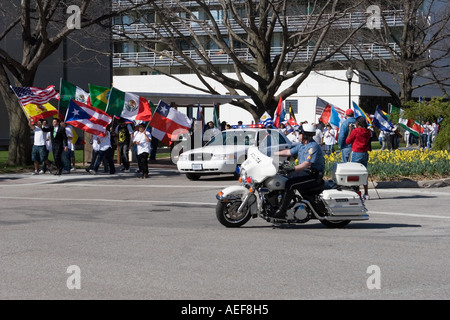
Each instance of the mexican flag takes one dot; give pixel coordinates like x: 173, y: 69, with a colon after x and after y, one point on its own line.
x: 128, y: 106
x: 410, y: 125
x: 99, y: 96
x: 69, y: 91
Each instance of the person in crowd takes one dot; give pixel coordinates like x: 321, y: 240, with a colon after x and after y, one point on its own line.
x: 223, y: 125
x: 124, y: 133
x: 210, y: 132
x: 142, y: 139
x: 318, y: 137
x: 308, y: 173
x: 429, y: 134
x: 348, y: 123
x: 38, y: 153
x: 69, y: 156
x: 424, y: 135
x: 407, y: 138
x: 48, y: 165
x: 434, y: 132
x: 360, y: 140
x: 106, y: 151
x: 384, y: 139
x: 329, y: 138
x: 394, y: 137
x: 59, y: 143
x: 95, y: 152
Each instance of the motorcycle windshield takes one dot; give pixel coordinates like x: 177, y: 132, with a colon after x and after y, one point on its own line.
x: 258, y: 166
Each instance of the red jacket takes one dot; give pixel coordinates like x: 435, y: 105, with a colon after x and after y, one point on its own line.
x: 359, y: 138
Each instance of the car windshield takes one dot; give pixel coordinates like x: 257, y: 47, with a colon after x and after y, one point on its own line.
x: 270, y: 138
x: 236, y: 138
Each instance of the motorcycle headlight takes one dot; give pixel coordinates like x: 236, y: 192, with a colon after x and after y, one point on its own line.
x: 243, y: 175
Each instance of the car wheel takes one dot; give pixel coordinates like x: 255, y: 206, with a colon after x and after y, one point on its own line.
x: 192, y: 176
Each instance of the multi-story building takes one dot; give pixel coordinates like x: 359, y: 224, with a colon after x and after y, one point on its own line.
x: 138, y: 69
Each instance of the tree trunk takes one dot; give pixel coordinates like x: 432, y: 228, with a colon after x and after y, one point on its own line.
x: 19, y: 150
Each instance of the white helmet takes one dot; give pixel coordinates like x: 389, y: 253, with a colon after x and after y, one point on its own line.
x: 308, y: 129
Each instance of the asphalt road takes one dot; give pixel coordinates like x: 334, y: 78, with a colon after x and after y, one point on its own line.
x: 119, y: 237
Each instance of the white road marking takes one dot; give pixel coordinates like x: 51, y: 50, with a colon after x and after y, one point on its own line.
x: 408, y: 214
x: 78, y: 200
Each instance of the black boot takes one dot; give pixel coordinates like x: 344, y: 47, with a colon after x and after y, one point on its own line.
x: 281, y: 212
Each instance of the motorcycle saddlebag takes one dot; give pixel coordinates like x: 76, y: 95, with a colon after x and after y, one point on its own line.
x: 343, y: 202
x: 349, y: 174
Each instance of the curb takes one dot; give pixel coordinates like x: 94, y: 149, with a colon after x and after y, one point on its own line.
x: 407, y: 183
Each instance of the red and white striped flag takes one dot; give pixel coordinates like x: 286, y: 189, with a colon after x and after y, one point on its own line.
x: 167, y: 123
x: 87, y: 118
x: 35, y: 95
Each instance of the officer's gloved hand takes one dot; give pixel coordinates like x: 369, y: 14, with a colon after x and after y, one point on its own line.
x: 286, y: 169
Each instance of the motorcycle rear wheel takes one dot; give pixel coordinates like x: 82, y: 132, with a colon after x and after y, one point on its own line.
x: 228, y: 216
x: 335, y: 224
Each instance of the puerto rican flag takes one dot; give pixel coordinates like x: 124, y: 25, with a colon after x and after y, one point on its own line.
x: 87, y: 118
x: 167, y: 123
x: 35, y: 95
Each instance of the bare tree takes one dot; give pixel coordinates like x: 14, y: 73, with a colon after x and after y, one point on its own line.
x: 415, y: 50
x: 243, y: 33
x: 39, y: 27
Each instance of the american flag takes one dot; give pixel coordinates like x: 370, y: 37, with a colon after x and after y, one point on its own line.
x: 35, y: 95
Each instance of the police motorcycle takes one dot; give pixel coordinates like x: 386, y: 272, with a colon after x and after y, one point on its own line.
x: 334, y: 203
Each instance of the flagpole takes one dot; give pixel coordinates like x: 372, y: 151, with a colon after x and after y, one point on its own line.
x: 59, y: 101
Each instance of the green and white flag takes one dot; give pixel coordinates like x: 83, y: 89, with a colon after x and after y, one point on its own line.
x: 407, y: 124
x: 69, y: 91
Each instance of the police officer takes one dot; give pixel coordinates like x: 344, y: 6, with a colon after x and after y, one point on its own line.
x: 308, y: 173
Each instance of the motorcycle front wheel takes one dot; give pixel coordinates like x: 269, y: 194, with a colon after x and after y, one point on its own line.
x: 228, y: 216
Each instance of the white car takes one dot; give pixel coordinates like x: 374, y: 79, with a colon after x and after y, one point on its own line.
x: 227, y: 150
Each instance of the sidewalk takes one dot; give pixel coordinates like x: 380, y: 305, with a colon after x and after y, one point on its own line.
x: 162, y: 164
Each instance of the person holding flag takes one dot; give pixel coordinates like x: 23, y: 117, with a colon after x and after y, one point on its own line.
x: 59, y: 143
x: 142, y: 139
x: 343, y: 134
x: 360, y: 140
x: 39, y: 154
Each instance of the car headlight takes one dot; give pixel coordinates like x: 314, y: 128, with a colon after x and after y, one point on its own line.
x: 223, y: 157
x: 183, y: 157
